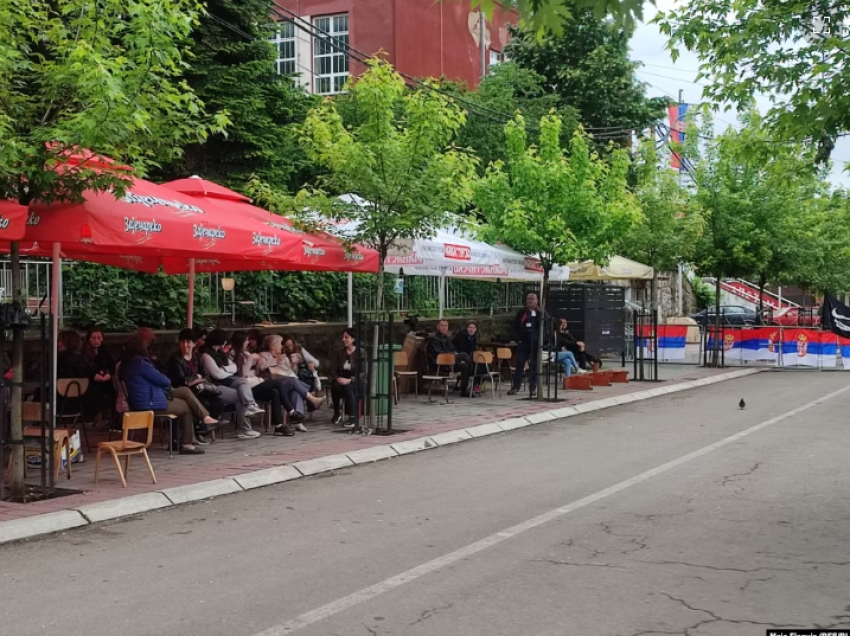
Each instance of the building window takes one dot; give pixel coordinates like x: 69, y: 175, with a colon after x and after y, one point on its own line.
x: 330, y: 54
x: 495, y: 58
x: 284, y: 43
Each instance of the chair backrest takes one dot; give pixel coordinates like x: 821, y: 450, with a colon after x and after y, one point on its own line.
x: 482, y: 357
x: 503, y: 353
x: 31, y: 412
x: 445, y: 360
x: 72, y: 387
x: 138, y: 420
x: 400, y: 359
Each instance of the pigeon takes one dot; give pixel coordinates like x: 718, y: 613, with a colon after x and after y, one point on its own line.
x: 742, y: 404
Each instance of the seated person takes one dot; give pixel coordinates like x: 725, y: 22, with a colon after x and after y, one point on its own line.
x: 562, y: 353
x: 585, y: 360
x: 223, y: 372
x: 466, y: 342
x: 185, y: 369
x: 439, y: 343
x: 310, y: 362
x: 100, y: 397
x: 347, y: 373
x: 148, y: 390
x: 72, y: 363
x: 273, y: 364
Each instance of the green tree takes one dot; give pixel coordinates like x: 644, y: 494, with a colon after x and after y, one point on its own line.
x: 667, y: 232
x: 233, y: 69
x: 103, y: 76
x: 549, y: 15
x: 788, y: 50
x: 587, y: 66
x: 398, y: 157
x: 556, y: 205
x: 508, y: 89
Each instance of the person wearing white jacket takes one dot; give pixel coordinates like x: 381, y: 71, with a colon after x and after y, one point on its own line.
x: 224, y: 371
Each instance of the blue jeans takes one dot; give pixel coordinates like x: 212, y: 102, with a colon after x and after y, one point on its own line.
x: 568, y: 360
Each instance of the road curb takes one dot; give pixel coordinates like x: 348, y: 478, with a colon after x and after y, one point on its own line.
x: 62, y: 520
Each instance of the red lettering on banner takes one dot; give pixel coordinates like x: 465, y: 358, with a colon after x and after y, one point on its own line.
x: 533, y: 265
x: 458, y: 252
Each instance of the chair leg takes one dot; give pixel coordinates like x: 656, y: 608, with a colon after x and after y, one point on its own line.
x: 126, y: 465
x: 67, y: 463
x: 117, y: 463
x: 148, y: 462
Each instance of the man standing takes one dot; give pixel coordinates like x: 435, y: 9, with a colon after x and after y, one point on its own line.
x: 527, y: 324
x: 440, y: 342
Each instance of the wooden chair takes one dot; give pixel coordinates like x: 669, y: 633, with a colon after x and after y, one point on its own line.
x: 31, y: 413
x: 133, y: 421
x: 163, y: 419
x: 73, y: 389
x: 401, y: 360
x: 444, y: 375
x: 485, y: 358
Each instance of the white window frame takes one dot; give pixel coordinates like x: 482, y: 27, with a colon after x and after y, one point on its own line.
x: 279, y: 40
x: 330, y: 80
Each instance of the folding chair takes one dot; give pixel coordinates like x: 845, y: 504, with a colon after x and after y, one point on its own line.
x: 402, y: 361
x: 73, y: 389
x: 133, y: 421
x: 444, y: 361
x: 485, y: 359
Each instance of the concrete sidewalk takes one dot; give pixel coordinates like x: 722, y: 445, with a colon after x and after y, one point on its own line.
x: 232, y: 465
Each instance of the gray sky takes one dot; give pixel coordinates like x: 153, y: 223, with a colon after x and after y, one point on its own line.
x: 664, y: 78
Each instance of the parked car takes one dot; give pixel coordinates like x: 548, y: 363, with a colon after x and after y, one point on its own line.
x: 796, y: 317
x: 729, y: 315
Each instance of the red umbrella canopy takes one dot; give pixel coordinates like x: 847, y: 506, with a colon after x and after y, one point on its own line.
x: 150, y: 221
x: 13, y: 221
x: 319, y: 252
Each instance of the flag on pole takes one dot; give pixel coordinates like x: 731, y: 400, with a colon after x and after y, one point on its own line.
x: 676, y: 113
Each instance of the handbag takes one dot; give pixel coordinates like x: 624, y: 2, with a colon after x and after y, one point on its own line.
x: 205, y: 389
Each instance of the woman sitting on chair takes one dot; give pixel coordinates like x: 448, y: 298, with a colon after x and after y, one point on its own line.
x: 347, y: 372
x: 100, y: 397
x: 150, y: 390
x: 466, y: 341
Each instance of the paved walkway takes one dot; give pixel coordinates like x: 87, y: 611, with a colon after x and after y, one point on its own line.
x: 232, y: 456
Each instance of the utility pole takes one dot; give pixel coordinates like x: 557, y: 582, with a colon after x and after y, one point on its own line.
x: 681, y: 270
x: 482, y: 41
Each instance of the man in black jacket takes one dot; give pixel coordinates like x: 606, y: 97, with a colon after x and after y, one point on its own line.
x: 526, y: 325
x: 440, y: 342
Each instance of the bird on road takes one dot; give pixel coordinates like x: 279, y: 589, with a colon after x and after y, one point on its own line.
x: 742, y: 405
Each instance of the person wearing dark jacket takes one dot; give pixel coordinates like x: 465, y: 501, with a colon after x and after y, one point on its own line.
x: 439, y: 343
x: 347, y: 372
x: 568, y: 342
x: 185, y: 369
x: 526, y: 325
x: 466, y: 342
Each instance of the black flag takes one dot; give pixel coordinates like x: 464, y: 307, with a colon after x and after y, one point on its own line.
x: 835, y: 316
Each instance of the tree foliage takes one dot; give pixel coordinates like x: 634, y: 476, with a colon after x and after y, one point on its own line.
x: 587, y: 66
x: 667, y: 232
x: 559, y: 206
x: 549, y: 15
x: 233, y: 69
x: 786, y: 50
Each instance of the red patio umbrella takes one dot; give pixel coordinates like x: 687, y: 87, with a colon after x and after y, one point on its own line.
x: 13, y: 221
x: 320, y: 251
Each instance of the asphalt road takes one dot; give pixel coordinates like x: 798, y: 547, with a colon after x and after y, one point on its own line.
x: 678, y: 515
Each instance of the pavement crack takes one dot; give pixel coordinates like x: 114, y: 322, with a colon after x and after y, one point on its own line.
x: 582, y: 565
x: 715, y: 618
x: 749, y: 582
x: 428, y: 613
x: 638, y: 540
x: 713, y: 567
x: 734, y: 477
x: 837, y: 563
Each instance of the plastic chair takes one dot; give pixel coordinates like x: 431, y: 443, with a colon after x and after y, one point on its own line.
x: 485, y: 358
x: 401, y: 360
x: 444, y: 361
x: 133, y: 421
x: 69, y: 389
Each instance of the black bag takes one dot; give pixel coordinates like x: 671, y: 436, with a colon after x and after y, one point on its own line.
x: 207, y: 390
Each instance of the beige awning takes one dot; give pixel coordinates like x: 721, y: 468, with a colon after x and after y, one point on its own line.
x: 618, y: 268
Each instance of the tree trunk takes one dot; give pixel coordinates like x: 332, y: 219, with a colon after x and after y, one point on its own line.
x: 17, y: 488
x: 717, y: 321
x: 653, y: 292
x: 373, y: 380
x: 540, y: 336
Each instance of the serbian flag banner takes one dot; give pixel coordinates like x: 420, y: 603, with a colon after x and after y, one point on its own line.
x: 761, y: 343
x: 809, y: 348
x: 677, y: 113
x: 670, y: 342
x: 844, y: 343
x: 731, y: 342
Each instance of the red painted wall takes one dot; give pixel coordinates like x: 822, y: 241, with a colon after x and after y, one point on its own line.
x: 422, y: 38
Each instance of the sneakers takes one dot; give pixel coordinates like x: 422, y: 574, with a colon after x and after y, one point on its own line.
x: 190, y: 451
x: 300, y: 427
x: 351, y: 422
x: 581, y: 371
x: 283, y: 431
x: 534, y: 394
x: 513, y: 391
x: 248, y: 434
x: 253, y: 410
